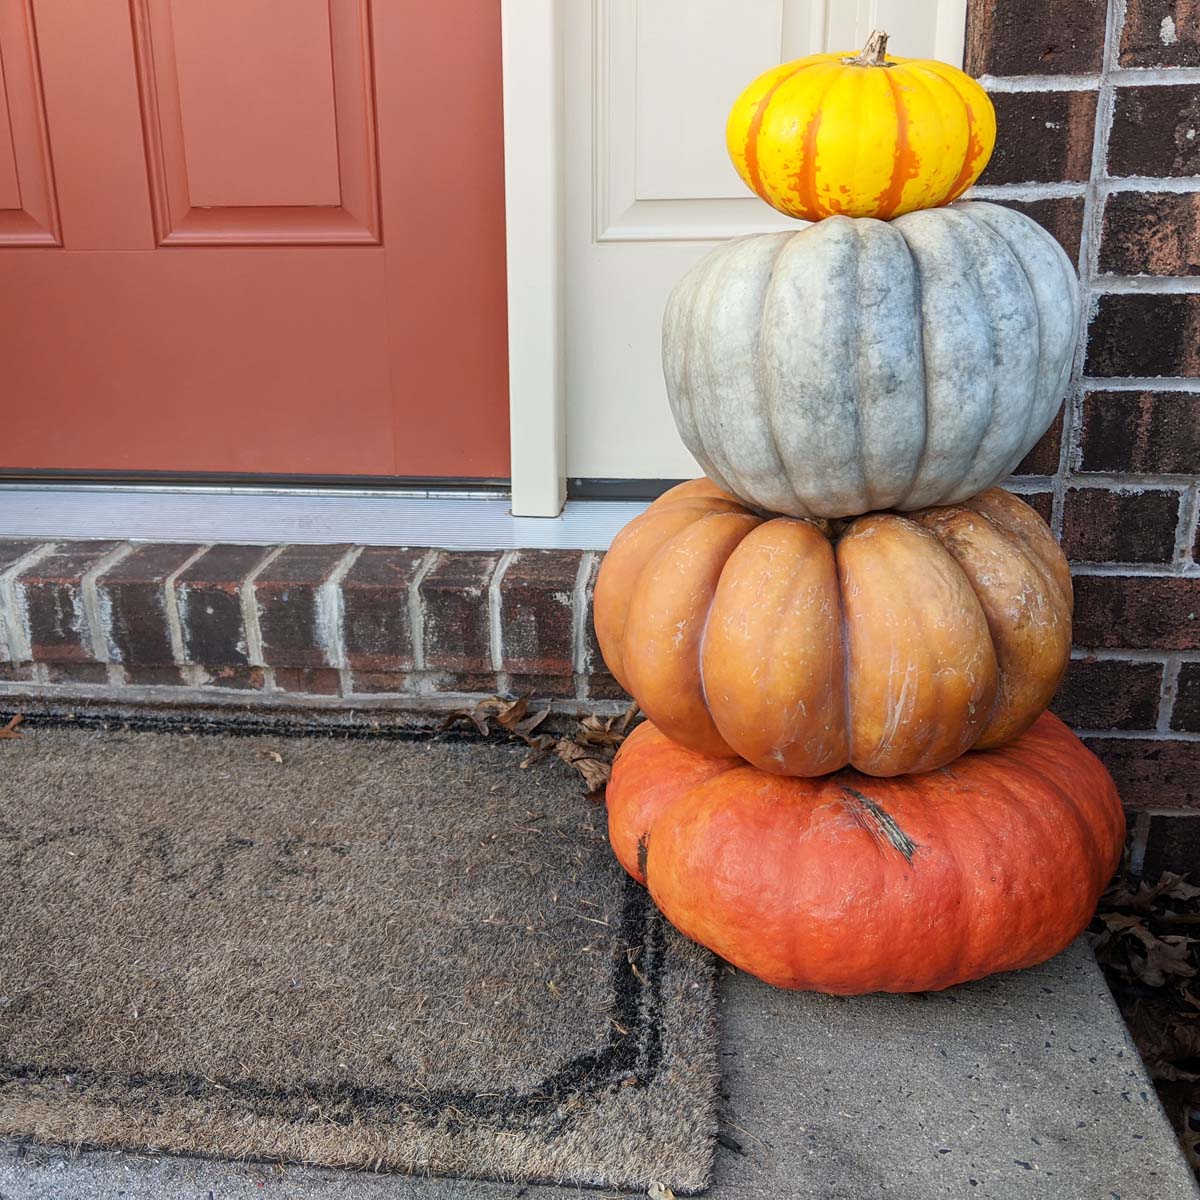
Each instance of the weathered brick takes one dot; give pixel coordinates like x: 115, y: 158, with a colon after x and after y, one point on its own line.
x: 537, y: 605
x: 1044, y: 137
x: 1035, y: 37
x: 12, y: 672
x: 1185, y: 716
x: 1151, y: 233
x: 154, y: 676
x: 1172, y: 844
x: 1161, y: 33
x: 602, y: 686
x: 1102, y: 525
x: 241, y: 679
x: 472, y: 683
x: 52, y: 589
x: 11, y: 552
x: 285, y: 591
x: 133, y: 592
x: 1109, y: 694
x: 77, y: 672
x: 311, y: 681
x: 1061, y: 216
x: 376, y: 624
x: 1043, y: 458
x: 593, y: 657
x: 210, y: 605
x: 457, y: 625
x: 1041, y: 502
x: 375, y: 682
x: 541, y: 687
x: 1134, y: 333
x: 1152, y: 432
x: 1139, y: 612
x: 1155, y: 131
x: 1151, y: 773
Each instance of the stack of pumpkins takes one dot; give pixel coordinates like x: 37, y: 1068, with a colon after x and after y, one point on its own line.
x: 846, y: 637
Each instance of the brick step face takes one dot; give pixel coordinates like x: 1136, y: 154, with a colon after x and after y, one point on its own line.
x: 356, y: 623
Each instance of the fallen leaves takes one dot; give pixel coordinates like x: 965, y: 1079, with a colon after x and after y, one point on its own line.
x: 1143, y: 939
x: 10, y: 731
x: 588, y: 749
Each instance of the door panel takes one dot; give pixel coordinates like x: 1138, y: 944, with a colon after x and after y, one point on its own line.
x: 28, y: 211
x: 283, y: 240
x: 650, y: 188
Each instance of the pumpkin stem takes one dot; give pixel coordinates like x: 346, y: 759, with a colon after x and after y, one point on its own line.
x: 873, y: 54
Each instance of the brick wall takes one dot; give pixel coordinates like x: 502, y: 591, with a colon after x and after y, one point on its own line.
x: 1098, y: 103
x: 345, y: 626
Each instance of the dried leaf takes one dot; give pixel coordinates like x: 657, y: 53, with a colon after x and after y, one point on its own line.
x: 274, y: 756
x: 510, y: 717
x: 10, y: 730
x: 594, y: 770
x: 660, y: 1191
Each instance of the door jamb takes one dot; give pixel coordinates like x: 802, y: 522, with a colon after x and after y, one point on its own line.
x: 533, y: 194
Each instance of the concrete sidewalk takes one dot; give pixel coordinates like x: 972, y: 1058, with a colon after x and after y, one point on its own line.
x: 1025, y: 1085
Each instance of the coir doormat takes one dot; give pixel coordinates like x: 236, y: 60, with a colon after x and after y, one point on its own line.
x: 363, y: 953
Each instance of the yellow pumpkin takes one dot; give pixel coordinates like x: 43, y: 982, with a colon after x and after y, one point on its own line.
x: 865, y: 135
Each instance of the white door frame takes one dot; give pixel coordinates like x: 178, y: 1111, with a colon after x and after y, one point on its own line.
x: 533, y: 198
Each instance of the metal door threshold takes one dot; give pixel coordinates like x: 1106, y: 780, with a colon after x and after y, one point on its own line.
x: 315, y: 516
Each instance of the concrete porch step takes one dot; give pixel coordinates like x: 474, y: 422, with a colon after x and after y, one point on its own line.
x: 1021, y: 1086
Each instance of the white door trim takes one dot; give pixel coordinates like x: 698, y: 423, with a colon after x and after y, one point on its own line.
x: 533, y: 196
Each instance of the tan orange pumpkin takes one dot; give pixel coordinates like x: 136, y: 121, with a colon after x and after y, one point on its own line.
x: 850, y: 884
x: 890, y: 643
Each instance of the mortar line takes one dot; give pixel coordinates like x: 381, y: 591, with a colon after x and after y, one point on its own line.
x: 175, y: 621
x: 249, y: 605
x: 330, y: 610
x: 18, y: 635
x: 97, y: 613
x: 416, y: 608
x: 495, y: 630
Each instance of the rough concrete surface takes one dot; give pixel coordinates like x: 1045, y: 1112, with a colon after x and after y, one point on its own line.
x: 1025, y: 1085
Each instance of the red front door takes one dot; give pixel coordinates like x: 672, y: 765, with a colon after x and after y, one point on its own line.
x: 259, y: 236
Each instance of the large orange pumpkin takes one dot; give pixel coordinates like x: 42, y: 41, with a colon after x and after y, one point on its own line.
x: 850, y: 884
x: 890, y: 643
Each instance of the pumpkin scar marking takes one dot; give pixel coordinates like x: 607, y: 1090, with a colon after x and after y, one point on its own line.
x: 643, y: 849
x: 879, y: 823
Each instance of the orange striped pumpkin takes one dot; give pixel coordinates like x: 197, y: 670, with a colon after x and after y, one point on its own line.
x: 865, y: 135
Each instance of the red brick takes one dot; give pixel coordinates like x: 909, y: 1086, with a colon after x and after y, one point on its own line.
x: 1101, y: 525
x: 1109, y: 694
x: 11, y: 552
x: 1034, y: 37
x: 1044, y: 137
x: 53, y: 593
x: 1152, y: 432
x: 474, y: 683
x: 1161, y: 33
x: 1155, y: 131
x: 286, y: 591
x: 457, y: 624
x: 603, y: 686
x: 241, y: 679
x: 1150, y: 773
x: 154, y: 676
x: 1185, y: 716
x: 134, y: 591
x: 374, y: 682
x: 1172, y: 844
x: 1041, y: 502
x: 1044, y: 457
x: 11, y: 672
x: 376, y: 625
x: 210, y: 605
x: 542, y: 687
x: 1138, y: 612
x: 77, y: 672
x: 315, y: 681
x: 537, y: 606
x: 1061, y: 216
x: 1135, y: 333
x: 1151, y: 233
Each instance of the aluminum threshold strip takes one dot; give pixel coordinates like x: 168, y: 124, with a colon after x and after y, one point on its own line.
x: 313, y: 516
